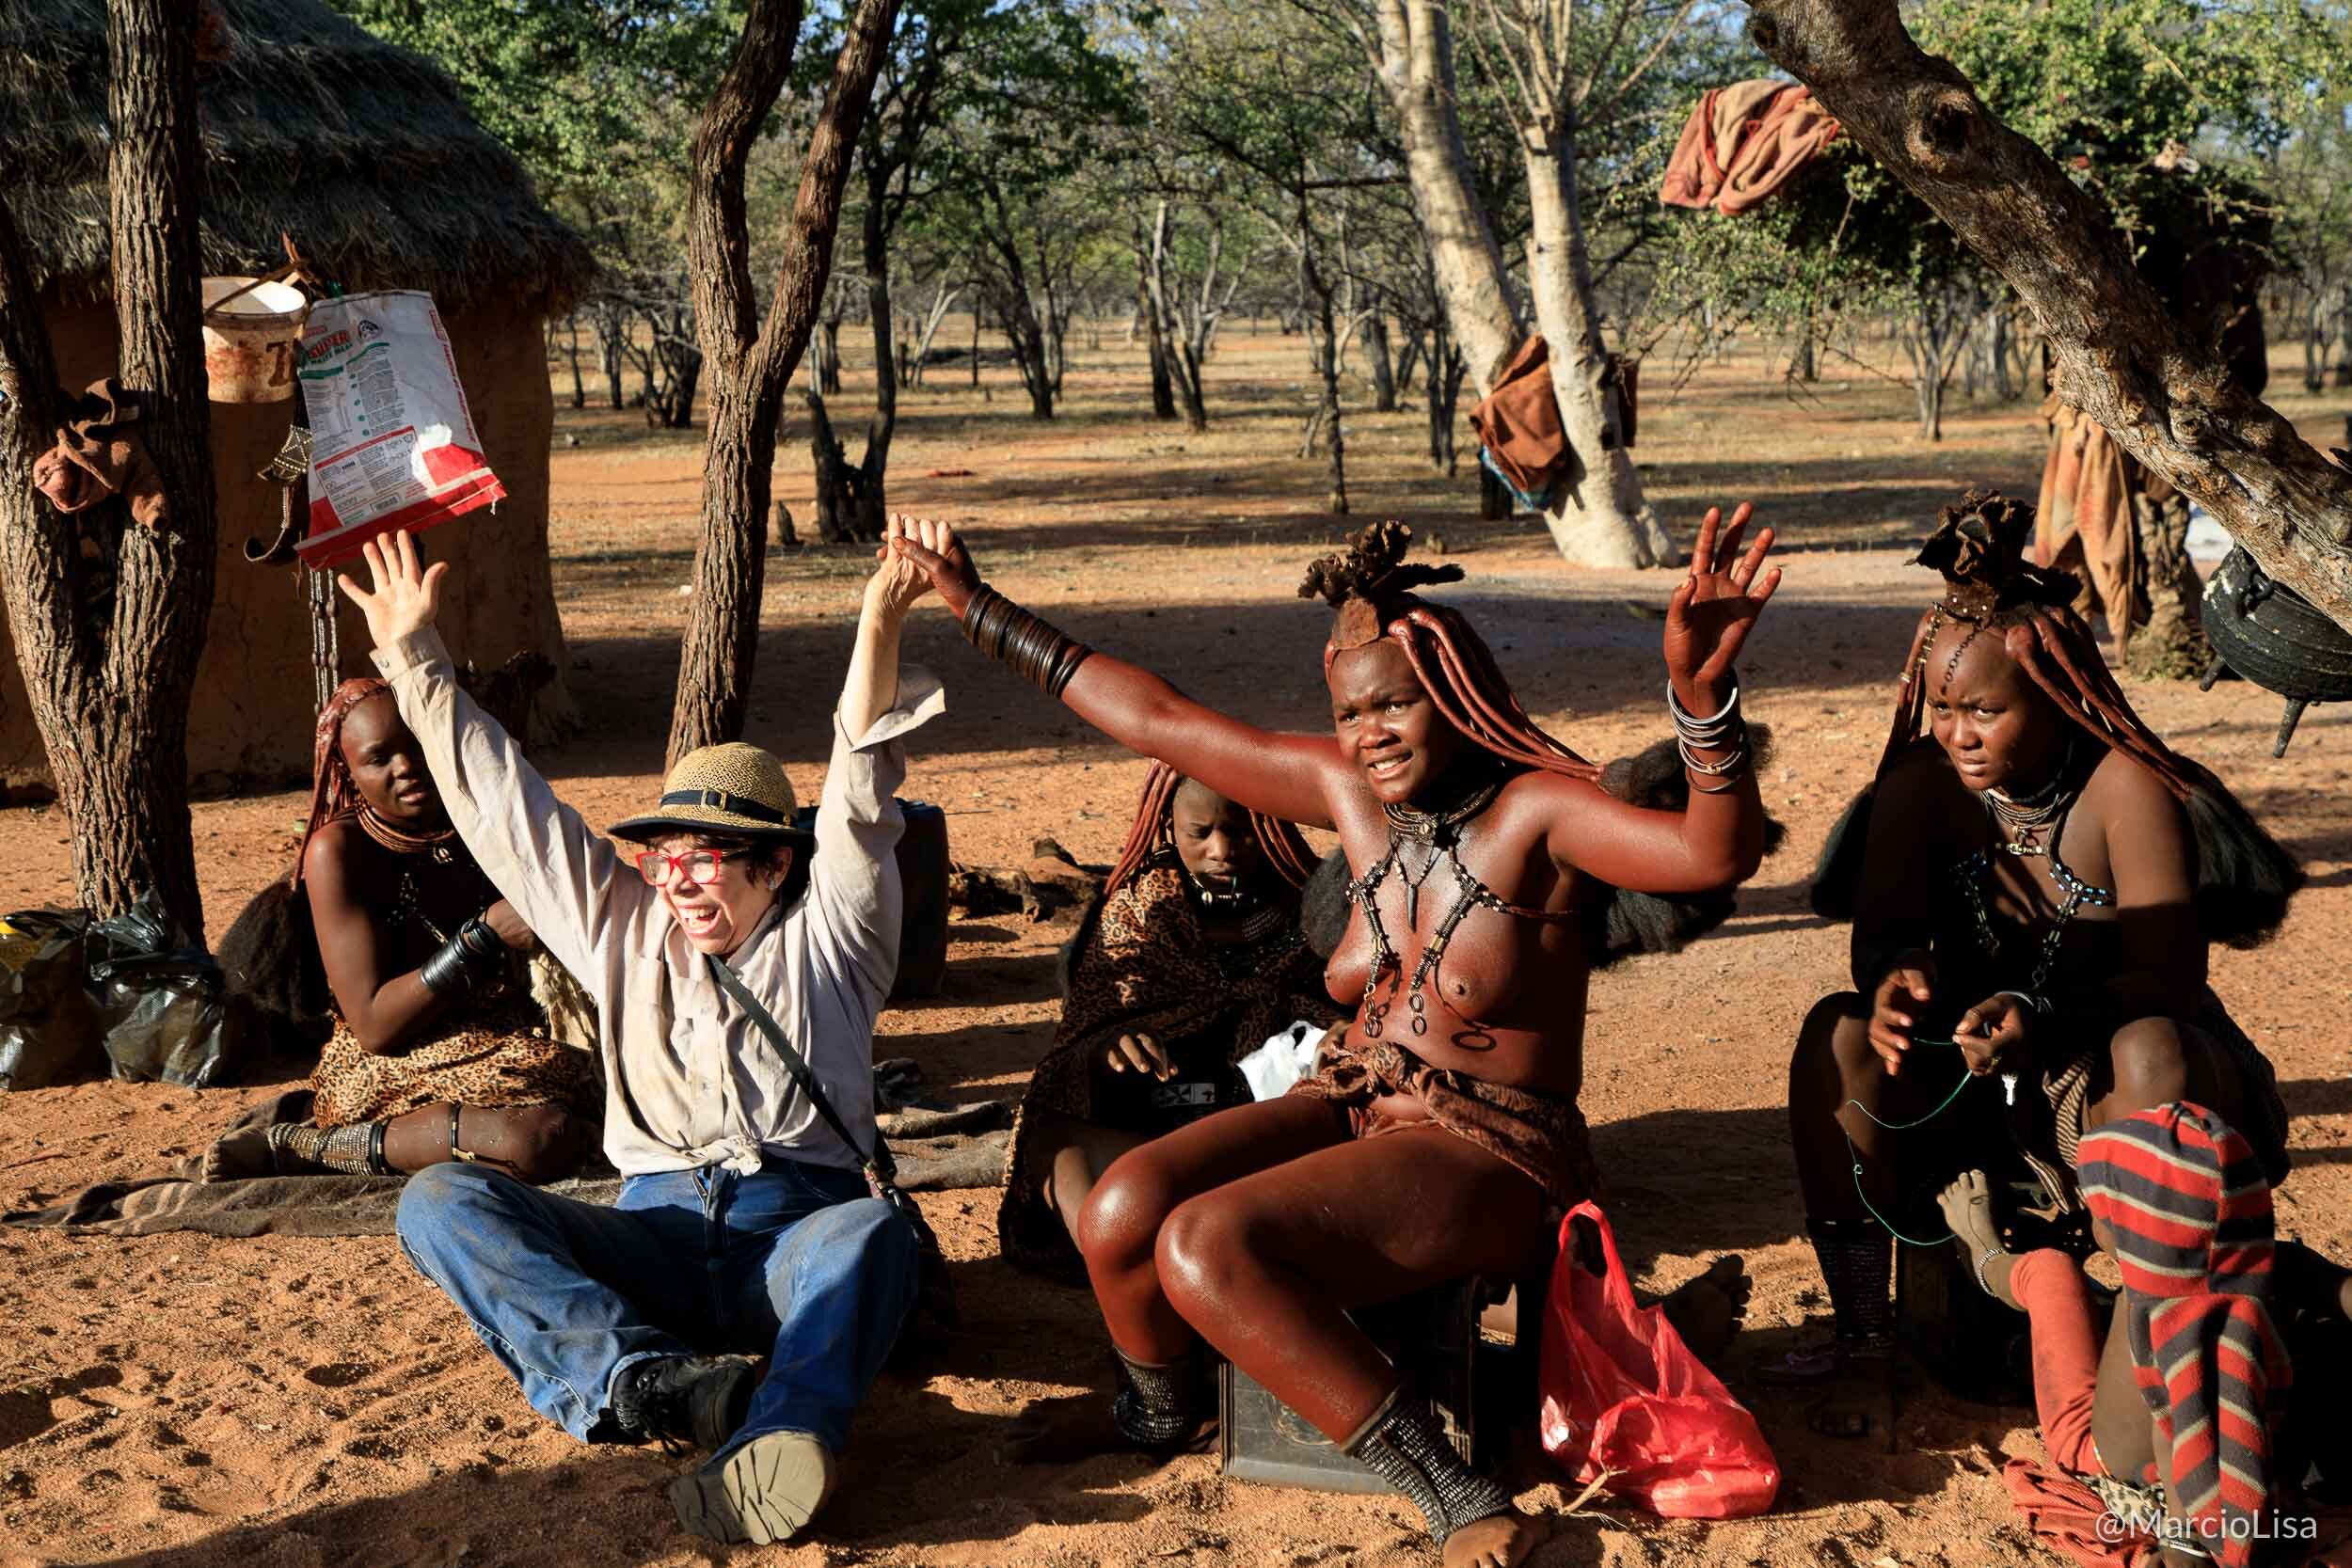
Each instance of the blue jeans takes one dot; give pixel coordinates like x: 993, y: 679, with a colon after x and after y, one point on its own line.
x: 794, y: 1260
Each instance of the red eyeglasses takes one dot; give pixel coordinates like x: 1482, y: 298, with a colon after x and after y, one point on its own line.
x: 696, y: 866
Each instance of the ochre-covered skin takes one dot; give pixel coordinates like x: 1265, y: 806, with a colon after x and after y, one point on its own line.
x: 2003, y: 690
x: 1258, y: 1228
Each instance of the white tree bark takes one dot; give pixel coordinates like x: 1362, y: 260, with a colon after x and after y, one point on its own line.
x: 1598, y: 516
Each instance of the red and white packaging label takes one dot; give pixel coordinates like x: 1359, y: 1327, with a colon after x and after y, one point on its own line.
x: 393, y: 444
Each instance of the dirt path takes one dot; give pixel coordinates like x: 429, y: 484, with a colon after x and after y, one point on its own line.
x: 179, y: 1401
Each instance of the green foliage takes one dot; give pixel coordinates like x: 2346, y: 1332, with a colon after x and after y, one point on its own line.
x: 594, y: 96
x: 2172, y: 115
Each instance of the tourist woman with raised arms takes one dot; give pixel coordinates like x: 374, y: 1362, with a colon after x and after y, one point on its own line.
x: 1440, y: 1136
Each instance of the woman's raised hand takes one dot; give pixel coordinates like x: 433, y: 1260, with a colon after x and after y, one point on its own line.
x: 1712, y: 610
x: 934, y: 548
x: 407, y: 596
x: 898, y: 581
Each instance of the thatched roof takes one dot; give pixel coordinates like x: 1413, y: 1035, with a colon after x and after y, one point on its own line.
x: 360, y: 149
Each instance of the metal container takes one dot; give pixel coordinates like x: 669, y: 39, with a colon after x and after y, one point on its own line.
x: 2270, y: 635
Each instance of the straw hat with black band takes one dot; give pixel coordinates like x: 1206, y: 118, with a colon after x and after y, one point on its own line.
x: 735, y: 789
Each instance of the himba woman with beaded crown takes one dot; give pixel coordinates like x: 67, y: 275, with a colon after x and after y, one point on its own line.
x: 1442, y: 1132
x: 2033, y: 876
x: 439, y: 1051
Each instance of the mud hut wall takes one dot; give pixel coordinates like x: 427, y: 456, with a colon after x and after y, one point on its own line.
x: 250, y: 721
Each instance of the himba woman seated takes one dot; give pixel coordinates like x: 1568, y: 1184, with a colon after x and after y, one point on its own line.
x: 1442, y: 1132
x: 438, y: 1051
x: 1193, y: 958
x: 2035, y: 881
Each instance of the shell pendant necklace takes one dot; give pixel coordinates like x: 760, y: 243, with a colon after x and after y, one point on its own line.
x: 2025, y: 818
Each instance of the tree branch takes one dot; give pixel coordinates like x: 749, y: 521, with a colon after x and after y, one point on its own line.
x: 718, y: 235
x: 2169, y: 402
x: 817, y: 206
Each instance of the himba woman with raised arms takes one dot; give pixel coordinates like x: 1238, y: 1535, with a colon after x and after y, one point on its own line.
x: 2034, y: 878
x: 439, y: 1051
x: 1194, y: 957
x: 1442, y: 1132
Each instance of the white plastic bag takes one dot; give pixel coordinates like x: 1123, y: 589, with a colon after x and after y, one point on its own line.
x: 393, y: 444
x: 1274, y: 1066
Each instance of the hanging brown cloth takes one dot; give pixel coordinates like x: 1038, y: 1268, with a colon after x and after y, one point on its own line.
x: 98, y: 453
x: 1519, y: 422
x: 1742, y: 143
x: 2083, y: 521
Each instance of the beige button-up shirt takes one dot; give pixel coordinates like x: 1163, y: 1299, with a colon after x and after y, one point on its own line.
x: 690, y: 1079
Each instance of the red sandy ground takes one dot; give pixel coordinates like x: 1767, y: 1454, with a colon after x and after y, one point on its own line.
x: 180, y: 1400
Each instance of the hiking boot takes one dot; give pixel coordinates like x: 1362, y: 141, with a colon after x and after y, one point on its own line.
x: 764, y: 1492
x: 684, y: 1400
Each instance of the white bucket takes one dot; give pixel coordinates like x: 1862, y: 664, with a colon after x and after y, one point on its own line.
x: 249, y: 340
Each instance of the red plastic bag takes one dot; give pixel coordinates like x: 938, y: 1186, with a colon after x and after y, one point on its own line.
x: 1623, y: 1394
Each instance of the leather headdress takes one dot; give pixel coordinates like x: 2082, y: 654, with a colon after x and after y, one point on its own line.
x: 1370, y: 584
x: 1979, y: 547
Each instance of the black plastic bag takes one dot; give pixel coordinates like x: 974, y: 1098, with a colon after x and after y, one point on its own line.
x: 48, y: 1031
x: 162, y: 1002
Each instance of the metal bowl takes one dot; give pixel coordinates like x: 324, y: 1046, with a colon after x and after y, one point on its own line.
x: 2271, y: 635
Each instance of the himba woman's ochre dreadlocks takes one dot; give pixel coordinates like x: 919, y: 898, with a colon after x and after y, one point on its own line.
x: 1153, y: 830
x: 1371, y: 586
x: 2245, y: 877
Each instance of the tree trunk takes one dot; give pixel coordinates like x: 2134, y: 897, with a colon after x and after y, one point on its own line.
x: 1410, y: 359
x: 1180, y: 347
x: 1597, y: 517
x: 1055, y: 326
x: 2172, y: 645
x: 1147, y: 311
x: 1163, y: 388
x: 109, y: 616
x: 2169, y: 402
x: 1030, y: 354
x: 752, y: 361
x: 2314, y: 348
x: 1804, y: 364
x: 828, y: 358
x: 874, y: 467
x: 1494, y: 496
x: 941, y: 301
x: 841, y: 512
x: 612, y: 321
x: 1188, y: 367
x: 1377, y: 359
x: 1928, y: 388
x: 677, y: 403
x: 1325, y: 341
x: 580, y: 387
x: 1417, y: 71
x: 1024, y: 333
x: 1446, y: 370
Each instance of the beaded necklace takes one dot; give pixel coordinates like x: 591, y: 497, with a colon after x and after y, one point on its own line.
x: 2025, y: 820
x: 436, y: 849
x: 1439, y: 834
x: 438, y: 846
x: 2074, y: 894
x: 1259, y: 919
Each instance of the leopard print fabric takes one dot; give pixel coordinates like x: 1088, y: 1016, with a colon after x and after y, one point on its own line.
x: 493, y: 1057
x: 1143, y: 964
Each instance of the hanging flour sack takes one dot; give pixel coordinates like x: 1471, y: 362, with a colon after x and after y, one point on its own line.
x: 393, y: 445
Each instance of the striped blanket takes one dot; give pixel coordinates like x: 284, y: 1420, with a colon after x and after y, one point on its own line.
x: 2189, y: 1210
